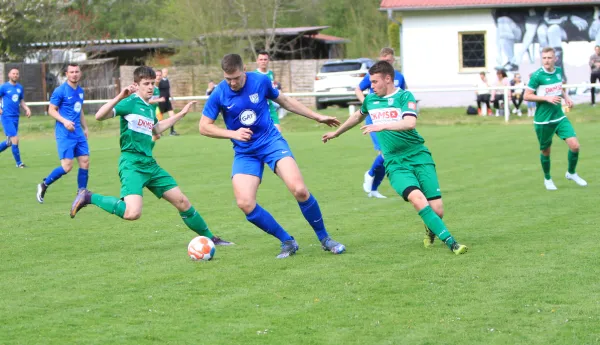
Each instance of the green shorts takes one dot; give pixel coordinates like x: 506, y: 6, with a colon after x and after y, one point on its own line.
x: 417, y: 171
x: 545, y: 132
x: 137, y: 172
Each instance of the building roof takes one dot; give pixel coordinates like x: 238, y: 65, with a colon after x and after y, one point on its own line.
x: 328, y: 39
x: 421, y: 5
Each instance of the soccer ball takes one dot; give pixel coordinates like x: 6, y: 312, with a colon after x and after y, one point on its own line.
x: 201, y: 248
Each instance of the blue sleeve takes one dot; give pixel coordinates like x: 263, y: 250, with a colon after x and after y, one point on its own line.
x: 22, y: 94
x: 213, y: 104
x: 56, y: 98
x: 2, y: 90
x: 402, y: 80
x: 270, y: 92
x: 365, y: 83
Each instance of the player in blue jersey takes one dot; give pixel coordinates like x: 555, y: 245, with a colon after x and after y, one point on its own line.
x: 375, y: 175
x: 242, y: 99
x: 66, y: 106
x: 12, y: 94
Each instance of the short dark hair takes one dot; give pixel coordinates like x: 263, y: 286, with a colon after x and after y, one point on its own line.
x: 10, y: 70
x: 143, y: 72
x: 73, y: 64
x: 482, y: 73
x: 502, y: 73
x: 384, y: 68
x: 263, y: 52
x: 232, y: 63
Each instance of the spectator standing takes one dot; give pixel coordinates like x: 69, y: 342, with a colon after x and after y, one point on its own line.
x: 595, y: 73
x: 164, y: 88
x: 498, y: 95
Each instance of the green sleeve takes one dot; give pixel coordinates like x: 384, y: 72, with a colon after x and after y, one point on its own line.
x: 363, y: 108
x: 408, y: 104
x: 124, y: 107
x: 534, y: 83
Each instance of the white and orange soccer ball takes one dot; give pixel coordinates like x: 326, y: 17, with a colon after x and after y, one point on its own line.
x: 201, y: 248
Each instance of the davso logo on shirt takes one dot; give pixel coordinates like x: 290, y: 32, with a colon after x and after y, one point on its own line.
x: 77, y: 107
x: 15, y: 98
x: 248, y: 117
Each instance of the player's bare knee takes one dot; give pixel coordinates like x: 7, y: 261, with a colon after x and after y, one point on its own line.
x: 246, y: 204
x: 183, y: 203
x: 132, y: 214
x: 300, y: 192
x: 67, y: 166
x: 573, y: 145
x: 14, y: 140
x: 546, y: 152
x: 416, y: 197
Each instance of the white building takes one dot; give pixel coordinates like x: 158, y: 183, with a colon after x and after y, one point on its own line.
x: 447, y: 43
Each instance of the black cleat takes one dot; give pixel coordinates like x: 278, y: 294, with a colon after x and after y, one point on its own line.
x: 41, y: 192
x: 220, y: 242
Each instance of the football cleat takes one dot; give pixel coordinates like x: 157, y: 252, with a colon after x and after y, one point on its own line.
x: 288, y: 248
x: 459, y: 248
x: 41, y: 192
x: 330, y: 245
x: 83, y: 198
x: 429, y: 238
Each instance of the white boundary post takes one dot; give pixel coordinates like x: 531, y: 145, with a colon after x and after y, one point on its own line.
x: 506, y: 105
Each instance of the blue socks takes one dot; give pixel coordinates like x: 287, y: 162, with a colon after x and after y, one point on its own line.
x: 312, y: 213
x: 377, y: 171
x: 55, y: 175
x: 3, y: 146
x: 82, y: 178
x: 265, y: 221
x: 16, y: 154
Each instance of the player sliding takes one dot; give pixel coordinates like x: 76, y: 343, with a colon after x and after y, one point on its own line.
x: 408, y: 163
x: 545, y: 88
x: 137, y: 167
x: 242, y: 99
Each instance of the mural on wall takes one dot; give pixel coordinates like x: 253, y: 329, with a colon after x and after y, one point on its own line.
x: 546, y: 26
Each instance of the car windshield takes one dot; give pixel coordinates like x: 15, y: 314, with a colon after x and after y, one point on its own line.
x: 341, y: 67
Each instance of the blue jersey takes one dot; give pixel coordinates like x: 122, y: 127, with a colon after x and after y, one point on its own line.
x: 12, y: 95
x: 69, y: 102
x: 366, y: 84
x: 248, y: 108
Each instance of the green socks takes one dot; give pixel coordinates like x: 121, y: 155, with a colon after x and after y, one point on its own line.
x: 573, y: 157
x: 546, y: 165
x: 109, y: 204
x: 436, y: 224
x: 194, y: 221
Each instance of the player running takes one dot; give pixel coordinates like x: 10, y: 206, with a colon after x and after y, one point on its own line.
x: 374, y: 176
x: 71, y: 130
x: 263, y: 68
x: 408, y: 163
x: 12, y: 94
x: 242, y: 99
x: 137, y: 167
x: 545, y: 88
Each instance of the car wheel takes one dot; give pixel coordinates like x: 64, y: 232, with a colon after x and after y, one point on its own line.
x: 321, y: 106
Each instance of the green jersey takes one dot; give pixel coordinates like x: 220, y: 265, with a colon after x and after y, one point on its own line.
x: 389, y: 109
x: 269, y: 74
x: 545, y: 83
x: 137, y: 121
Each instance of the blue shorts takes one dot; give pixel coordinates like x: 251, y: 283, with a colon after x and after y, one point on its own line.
x: 72, y: 147
x: 254, y: 163
x: 368, y: 121
x: 10, y: 125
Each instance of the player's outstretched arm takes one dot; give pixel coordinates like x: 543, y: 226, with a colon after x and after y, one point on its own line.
x: 293, y: 105
x: 359, y: 94
x: 352, y: 121
x: 208, y: 128
x: 171, y: 121
x: 106, y: 111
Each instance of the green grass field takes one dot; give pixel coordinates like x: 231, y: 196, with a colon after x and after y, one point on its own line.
x: 530, y: 276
